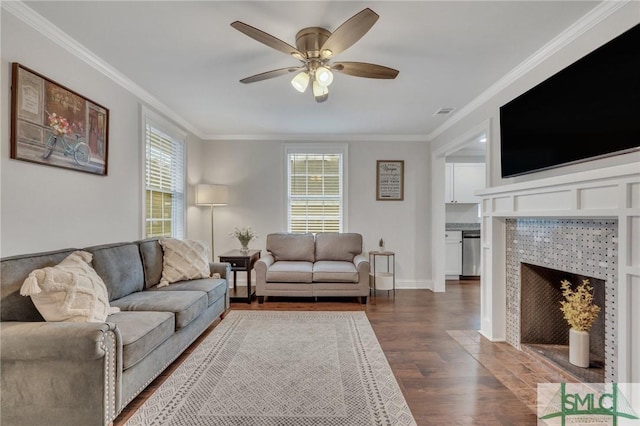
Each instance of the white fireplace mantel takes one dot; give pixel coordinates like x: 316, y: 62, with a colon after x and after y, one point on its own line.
x: 612, y: 192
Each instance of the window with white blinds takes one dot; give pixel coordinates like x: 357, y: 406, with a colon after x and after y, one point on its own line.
x: 315, y: 191
x: 164, y: 183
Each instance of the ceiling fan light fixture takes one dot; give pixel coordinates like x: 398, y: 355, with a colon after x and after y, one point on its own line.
x: 326, y: 54
x: 300, y: 82
x: 324, y: 76
x: 315, y: 47
x: 319, y: 90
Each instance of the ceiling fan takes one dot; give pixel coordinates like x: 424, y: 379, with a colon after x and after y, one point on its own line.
x: 315, y: 48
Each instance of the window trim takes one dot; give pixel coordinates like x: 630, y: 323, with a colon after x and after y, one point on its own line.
x: 312, y: 148
x: 165, y: 126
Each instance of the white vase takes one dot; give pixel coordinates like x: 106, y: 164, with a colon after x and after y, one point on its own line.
x: 579, y: 348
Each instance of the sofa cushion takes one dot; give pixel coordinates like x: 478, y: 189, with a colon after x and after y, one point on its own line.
x: 13, y: 271
x: 70, y: 291
x: 331, y: 271
x: 152, y: 257
x: 184, y: 260
x: 141, y: 333
x: 214, y: 287
x: 120, y: 267
x: 290, y: 272
x: 283, y: 246
x: 186, y: 305
x: 334, y: 246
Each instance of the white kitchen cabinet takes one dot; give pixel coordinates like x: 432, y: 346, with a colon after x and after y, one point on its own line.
x: 448, y: 181
x: 453, y: 253
x: 462, y: 180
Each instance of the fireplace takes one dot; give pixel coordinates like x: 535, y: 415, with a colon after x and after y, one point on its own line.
x: 543, y: 329
x: 584, y: 222
x: 540, y: 253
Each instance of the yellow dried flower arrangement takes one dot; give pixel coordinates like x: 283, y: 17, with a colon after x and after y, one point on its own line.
x: 578, y: 307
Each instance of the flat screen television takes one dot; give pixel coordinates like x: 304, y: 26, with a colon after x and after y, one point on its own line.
x: 589, y: 110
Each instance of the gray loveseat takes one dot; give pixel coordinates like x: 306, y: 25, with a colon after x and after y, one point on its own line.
x: 72, y: 373
x: 304, y: 265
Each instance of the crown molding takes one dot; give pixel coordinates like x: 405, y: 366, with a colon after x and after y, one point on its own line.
x: 577, y: 29
x: 45, y: 27
x: 30, y: 17
x: 316, y: 137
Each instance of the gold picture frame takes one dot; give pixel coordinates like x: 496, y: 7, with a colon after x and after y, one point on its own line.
x: 55, y: 126
x: 390, y: 180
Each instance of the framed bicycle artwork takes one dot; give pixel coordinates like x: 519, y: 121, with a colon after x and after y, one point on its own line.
x: 53, y: 125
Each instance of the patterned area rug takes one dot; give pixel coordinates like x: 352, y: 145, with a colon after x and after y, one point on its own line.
x: 282, y: 368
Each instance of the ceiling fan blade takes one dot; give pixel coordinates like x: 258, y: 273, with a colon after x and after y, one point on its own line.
x: 270, y: 74
x: 266, y: 39
x: 349, y: 32
x: 363, y: 69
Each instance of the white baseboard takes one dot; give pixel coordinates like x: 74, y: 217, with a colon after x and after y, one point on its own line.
x: 414, y: 284
x: 400, y: 284
x: 492, y: 339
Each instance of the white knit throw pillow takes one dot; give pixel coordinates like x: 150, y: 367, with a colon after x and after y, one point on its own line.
x: 70, y: 291
x: 184, y: 260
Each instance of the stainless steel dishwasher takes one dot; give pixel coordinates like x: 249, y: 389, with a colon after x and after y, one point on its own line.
x: 471, y: 266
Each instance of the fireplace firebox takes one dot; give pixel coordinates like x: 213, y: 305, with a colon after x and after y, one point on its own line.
x: 543, y: 328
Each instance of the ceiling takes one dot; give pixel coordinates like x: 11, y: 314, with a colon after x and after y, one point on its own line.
x: 189, y: 58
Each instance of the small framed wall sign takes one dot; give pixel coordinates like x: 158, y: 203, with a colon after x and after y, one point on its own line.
x: 55, y: 126
x: 390, y: 180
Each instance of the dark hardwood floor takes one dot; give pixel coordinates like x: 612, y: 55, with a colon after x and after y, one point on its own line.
x: 437, y: 358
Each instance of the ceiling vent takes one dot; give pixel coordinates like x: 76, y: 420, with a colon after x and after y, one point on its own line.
x: 444, y: 111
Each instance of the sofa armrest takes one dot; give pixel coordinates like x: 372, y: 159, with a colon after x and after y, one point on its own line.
x: 363, y: 267
x: 39, y: 341
x: 222, y: 268
x: 265, y: 262
x: 362, y: 264
x: 60, y: 373
x: 359, y: 259
x: 261, y: 267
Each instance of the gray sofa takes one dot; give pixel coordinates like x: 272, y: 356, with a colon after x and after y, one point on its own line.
x: 304, y: 265
x: 70, y: 373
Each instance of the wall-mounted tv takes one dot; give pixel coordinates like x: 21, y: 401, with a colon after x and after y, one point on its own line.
x: 591, y: 109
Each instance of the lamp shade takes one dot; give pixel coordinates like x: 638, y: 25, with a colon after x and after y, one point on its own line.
x: 324, y: 76
x: 211, y: 195
x: 300, y: 81
x: 320, y: 93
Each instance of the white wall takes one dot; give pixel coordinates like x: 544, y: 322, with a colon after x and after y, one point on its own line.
x: 485, y: 119
x: 254, y: 172
x: 46, y: 208
x: 615, y: 24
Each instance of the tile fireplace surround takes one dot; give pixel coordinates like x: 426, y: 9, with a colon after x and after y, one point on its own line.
x: 579, y: 246
x: 607, y: 202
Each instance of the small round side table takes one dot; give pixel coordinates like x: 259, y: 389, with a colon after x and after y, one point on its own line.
x: 383, y: 280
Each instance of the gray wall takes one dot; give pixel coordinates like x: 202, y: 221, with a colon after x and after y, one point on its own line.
x: 255, y: 174
x: 45, y: 208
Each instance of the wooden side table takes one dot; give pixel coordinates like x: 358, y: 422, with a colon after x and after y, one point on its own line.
x: 241, y: 261
x: 389, y: 273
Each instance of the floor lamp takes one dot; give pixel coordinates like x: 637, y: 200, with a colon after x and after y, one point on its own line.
x: 212, y: 196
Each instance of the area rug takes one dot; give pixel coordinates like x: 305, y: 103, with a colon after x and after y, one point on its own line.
x: 282, y: 368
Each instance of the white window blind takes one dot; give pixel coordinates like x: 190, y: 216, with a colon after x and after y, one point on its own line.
x: 164, y: 184
x: 315, y: 195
